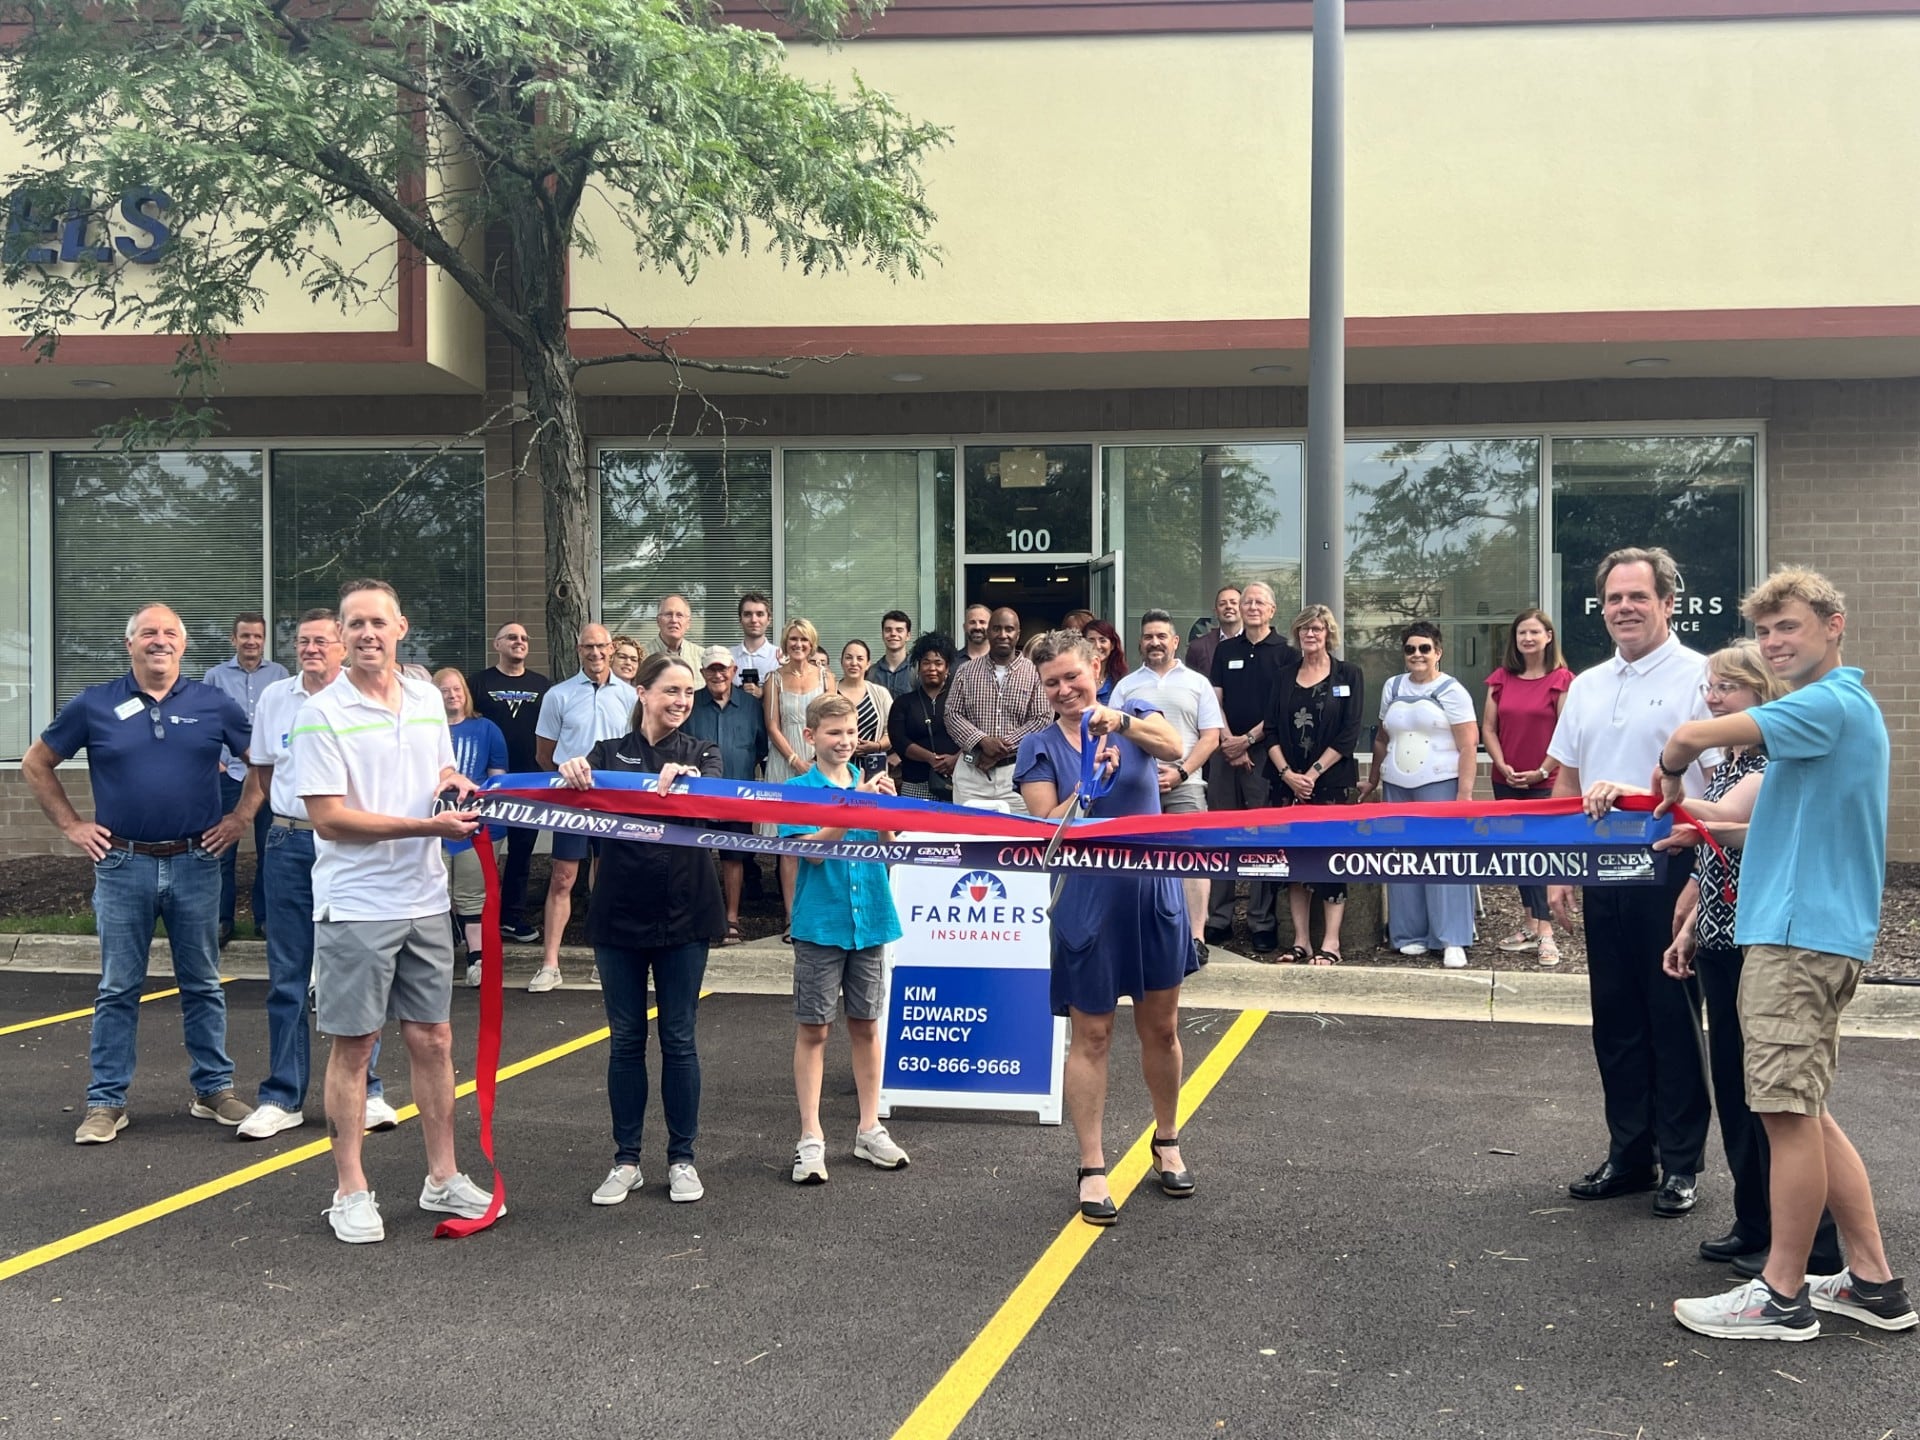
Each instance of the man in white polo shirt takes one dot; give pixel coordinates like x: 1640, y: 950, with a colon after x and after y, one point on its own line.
x: 371, y: 753
x: 1186, y: 698
x: 575, y: 715
x: 1616, y: 718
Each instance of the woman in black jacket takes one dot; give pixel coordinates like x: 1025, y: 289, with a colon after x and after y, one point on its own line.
x: 1313, y: 723
x: 655, y: 908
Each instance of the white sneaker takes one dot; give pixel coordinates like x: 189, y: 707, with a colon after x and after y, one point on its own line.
x: 456, y: 1195
x: 876, y: 1147
x: 1454, y: 958
x: 268, y: 1120
x: 621, y: 1182
x: 356, y: 1218
x: 683, y: 1183
x: 810, y: 1161
x: 473, y: 975
x: 546, y: 978
x: 380, y: 1115
x: 1413, y: 948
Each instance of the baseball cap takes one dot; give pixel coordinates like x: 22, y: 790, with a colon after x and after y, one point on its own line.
x: 715, y: 655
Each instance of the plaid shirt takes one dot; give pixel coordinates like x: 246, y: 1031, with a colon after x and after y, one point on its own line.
x: 979, y: 704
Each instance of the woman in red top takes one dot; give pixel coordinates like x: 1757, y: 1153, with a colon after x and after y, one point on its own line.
x: 1524, y: 697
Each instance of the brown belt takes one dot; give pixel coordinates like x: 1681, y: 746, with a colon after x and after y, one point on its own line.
x: 160, y: 848
x: 287, y: 822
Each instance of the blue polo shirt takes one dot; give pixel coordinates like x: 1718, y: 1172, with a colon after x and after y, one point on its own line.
x: 1816, y: 853
x: 155, y: 766
x: 844, y: 903
x: 739, y: 731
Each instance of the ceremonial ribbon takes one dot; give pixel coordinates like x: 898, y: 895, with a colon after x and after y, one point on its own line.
x: 486, y: 1063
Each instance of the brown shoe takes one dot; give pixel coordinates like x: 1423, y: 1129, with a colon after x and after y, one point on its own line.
x: 224, y: 1106
x: 103, y: 1122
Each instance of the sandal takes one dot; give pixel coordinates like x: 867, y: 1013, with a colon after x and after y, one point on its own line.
x: 1520, y: 940
x: 1549, y: 951
x: 1324, y: 957
x: 1097, y: 1212
x: 1177, y: 1183
x: 1293, y: 955
x: 734, y: 936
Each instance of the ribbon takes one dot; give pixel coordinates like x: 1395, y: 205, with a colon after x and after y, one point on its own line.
x: 486, y: 1062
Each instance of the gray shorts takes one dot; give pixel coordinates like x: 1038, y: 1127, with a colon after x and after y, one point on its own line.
x: 466, y: 883
x: 367, y: 972
x: 824, y: 974
x: 1183, y: 800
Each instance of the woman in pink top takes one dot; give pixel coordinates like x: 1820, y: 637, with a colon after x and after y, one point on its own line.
x: 1524, y: 697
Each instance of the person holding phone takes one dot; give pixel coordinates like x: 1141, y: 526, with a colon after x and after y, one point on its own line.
x: 871, y: 703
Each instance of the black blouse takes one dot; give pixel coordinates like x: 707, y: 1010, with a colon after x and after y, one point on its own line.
x: 646, y: 894
x: 917, y: 720
x: 1304, y: 720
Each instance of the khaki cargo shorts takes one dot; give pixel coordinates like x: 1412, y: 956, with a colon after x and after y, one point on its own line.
x: 1790, y: 1004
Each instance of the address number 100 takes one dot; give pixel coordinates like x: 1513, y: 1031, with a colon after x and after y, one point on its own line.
x: 1027, y: 542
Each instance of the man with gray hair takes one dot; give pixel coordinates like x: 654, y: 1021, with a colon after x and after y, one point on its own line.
x: 153, y: 743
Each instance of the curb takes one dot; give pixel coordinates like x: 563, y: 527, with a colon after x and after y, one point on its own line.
x: 765, y: 967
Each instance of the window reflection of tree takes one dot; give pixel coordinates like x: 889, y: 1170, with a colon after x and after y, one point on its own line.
x: 696, y: 522
x: 852, y: 526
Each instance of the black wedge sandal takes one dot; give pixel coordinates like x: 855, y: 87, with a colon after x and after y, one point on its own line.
x: 1096, y: 1212
x: 1177, y: 1183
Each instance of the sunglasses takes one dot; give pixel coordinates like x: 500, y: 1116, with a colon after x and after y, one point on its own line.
x: 1416, y: 649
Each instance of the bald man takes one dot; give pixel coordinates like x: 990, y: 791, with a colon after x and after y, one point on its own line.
x: 993, y: 704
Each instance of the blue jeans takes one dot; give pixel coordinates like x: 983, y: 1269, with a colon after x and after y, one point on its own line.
x: 230, y: 860
x: 286, y: 865
x: 677, y: 973
x: 1435, y: 916
x: 131, y: 892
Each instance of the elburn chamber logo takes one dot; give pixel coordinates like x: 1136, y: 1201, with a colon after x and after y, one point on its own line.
x: 978, y: 885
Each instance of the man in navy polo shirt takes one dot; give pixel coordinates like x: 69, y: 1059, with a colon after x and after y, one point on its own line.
x: 153, y: 743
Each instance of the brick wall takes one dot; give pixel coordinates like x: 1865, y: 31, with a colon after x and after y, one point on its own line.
x: 23, y: 829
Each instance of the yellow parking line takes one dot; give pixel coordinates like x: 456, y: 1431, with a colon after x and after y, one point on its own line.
x: 173, y: 1204
x: 949, y: 1402
x: 82, y: 1014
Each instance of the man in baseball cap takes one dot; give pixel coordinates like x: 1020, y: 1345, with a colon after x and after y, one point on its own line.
x: 732, y: 720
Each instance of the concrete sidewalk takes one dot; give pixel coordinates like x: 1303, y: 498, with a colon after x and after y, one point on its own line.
x: 1231, y: 981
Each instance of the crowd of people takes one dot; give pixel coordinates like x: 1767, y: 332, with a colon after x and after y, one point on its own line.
x: 356, y: 778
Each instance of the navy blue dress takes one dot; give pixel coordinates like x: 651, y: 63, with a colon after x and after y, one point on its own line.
x: 1113, y: 935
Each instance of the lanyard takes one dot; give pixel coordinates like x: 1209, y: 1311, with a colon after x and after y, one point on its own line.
x: 1093, y: 787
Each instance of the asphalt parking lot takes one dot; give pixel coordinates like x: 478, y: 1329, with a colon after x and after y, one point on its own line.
x: 1381, y: 1246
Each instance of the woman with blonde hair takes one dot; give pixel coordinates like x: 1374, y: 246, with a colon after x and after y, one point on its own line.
x: 1524, y: 696
x: 627, y: 655
x: 799, y: 681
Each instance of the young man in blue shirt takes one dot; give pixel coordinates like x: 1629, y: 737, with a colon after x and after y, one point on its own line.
x: 1811, y: 876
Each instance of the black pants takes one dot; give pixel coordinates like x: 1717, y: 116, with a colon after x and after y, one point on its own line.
x: 1646, y: 1028
x: 513, y: 876
x: 1232, y: 789
x: 1741, y: 1133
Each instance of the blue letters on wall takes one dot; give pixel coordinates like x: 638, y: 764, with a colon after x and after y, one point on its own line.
x: 30, y: 229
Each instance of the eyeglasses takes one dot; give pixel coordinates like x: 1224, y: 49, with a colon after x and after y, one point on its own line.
x: 1416, y: 649
x: 1721, y: 687
x: 159, y: 730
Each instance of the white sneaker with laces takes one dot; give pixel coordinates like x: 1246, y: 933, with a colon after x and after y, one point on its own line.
x: 546, y: 978
x: 473, y: 975
x: 380, y: 1115
x: 1413, y: 948
x: 456, y: 1195
x: 1454, y: 958
x: 877, y: 1147
x: 810, y: 1161
x: 268, y: 1120
x: 621, y: 1182
x: 683, y: 1183
x: 356, y: 1218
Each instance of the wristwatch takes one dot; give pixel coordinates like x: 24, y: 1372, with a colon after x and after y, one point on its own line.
x: 1182, y: 771
x: 1315, y: 768
x: 1126, y: 722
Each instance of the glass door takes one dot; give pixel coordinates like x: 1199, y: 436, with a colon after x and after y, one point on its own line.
x: 1107, y: 578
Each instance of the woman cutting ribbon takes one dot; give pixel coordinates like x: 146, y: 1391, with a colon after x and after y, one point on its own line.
x: 1113, y: 935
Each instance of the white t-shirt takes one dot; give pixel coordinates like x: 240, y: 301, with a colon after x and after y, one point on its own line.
x: 274, y: 717
x: 1419, y: 720
x: 387, y: 764
x: 1184, y: 697
x: 766, y: 660
x: 1619, y: 714
x: 577, y: 715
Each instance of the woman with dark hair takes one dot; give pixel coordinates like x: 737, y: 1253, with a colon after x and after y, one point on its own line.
x: 655, y: 911
x: 917, y: 724
x: 1426, y: 749
x: 871, y: 702
x: 1110, y: 654
x: 1524, y: 697
x: 1313, y: 723
x: 1113, y: 935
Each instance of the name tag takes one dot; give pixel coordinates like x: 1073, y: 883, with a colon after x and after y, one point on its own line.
x: 127, y: 709
x: 1341, y: 692
x: 1236, y: 664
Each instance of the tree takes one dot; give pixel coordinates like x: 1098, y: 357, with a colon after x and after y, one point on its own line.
x: 475, y: 129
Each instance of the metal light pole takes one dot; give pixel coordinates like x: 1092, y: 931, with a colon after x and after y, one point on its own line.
x: 1325, y: 538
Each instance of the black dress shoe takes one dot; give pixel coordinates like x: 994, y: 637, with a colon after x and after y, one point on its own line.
x: 1267, y: 942
x: 1217, y: 936
x: 1611, y: 1180
x: 1728, y: 1248
x: 1750, y: 1266
x: 1676, y: 1198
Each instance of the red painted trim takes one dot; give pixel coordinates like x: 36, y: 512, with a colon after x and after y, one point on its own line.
x: 1363, y: 332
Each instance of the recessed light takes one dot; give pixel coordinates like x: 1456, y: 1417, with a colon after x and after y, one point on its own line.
x: 91, y: 384
x: 1272, y: 370
x: 906, y: 377
x: 1002, y: 579
x: 1648, y: 362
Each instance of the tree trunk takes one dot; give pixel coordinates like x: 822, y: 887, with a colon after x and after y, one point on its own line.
x: 566, y: 503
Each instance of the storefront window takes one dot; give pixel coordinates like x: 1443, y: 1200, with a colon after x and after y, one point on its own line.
x: 694, y: 522
x: 16, y: 645
x: 414, y: 519
x: 1692, y: 494
x: 1029, y: 500
x: 1440, y: 530
x: 1187, y: 519
x: 865, y: 533
x: 180, y: 528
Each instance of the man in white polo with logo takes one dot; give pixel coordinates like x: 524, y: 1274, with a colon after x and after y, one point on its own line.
x: 371, y: 752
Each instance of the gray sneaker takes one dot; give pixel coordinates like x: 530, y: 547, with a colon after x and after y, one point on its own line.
x: 103, y: 1122
x: 546, y: 978
x: 683, y: 1183
x: 876, y: 1147
x: 223, y: 1105
x: 621, y: 1182
x: 810, y: 1161
x: 356, y: 1218
x: 456, y: 1195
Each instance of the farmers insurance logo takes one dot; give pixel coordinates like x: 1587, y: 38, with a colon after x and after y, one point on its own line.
x: 978, y: 886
